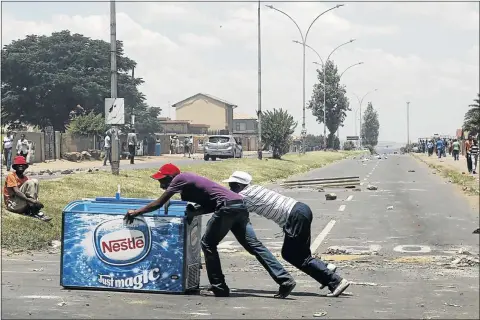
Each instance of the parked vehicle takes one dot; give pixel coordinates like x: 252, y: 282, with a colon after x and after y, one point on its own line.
x: 223, y: 147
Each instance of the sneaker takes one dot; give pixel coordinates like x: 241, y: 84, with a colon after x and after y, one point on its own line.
x: 210, y: 292
x: 342, y: 286
x: 285, y: 289
x: 331, y: 267
x: 40, y: 215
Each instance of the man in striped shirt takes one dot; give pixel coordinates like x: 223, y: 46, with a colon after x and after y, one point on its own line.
x: 474, y: 155
x: 295, y: 218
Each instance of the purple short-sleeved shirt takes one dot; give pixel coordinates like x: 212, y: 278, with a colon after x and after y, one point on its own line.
x: 202, y: 191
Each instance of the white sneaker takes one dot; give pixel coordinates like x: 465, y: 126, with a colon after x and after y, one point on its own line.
x: 342, y: 286
x: 331, y: 267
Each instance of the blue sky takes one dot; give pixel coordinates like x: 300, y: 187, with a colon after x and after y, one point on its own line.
x: 426, y: 53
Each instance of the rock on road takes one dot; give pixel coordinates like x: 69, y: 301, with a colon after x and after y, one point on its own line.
x: 399, y: 259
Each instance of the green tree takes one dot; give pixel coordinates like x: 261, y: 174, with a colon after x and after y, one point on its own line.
x: 471, y: 121
x: 45, y: 78
x: 87, y: 125
x: 277, y: 129
x: 336, y: 102
x: 348, y: 145
x: 313, y: 141
x: 370, y: 126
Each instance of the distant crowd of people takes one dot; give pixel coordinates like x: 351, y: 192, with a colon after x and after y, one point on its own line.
x: 442, y: 146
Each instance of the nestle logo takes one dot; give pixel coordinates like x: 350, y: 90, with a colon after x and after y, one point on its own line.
x: 120, y: 245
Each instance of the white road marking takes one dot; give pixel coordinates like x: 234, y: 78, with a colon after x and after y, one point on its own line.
x: 321, y: 236
x: 416, y: 249
x: 350, y: 197
x: 364, y: 178
x: 361, y: 183
x: 342, y: 207
x: 226, y: 245
x: 41, y: 297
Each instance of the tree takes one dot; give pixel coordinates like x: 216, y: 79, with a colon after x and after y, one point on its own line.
x: 88, y: 125
x: 471, y: 121
x: 45, y: 78
x: 370, y: 127
x: 337, y: 103
x: 313, y: 141
x: 348, y: 145
x: 277, y: 129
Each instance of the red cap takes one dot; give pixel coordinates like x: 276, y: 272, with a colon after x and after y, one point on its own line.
x: 19, y: 160
x: 166, y: 170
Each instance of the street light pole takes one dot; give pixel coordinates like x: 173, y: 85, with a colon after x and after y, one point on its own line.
x: 115, y: 164
x: 259, y: 111
x: 408, y: 126
x: 360, y: 101
x: 304, y: 43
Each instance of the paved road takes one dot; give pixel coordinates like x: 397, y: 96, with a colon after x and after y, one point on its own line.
x: 410, y: 276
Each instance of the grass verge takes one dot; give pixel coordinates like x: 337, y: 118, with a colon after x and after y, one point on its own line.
x: 468, y: 182
x: 22, y: 233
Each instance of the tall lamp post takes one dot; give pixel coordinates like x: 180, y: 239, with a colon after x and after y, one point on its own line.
x: 304, y: 43
x: 360, y: 101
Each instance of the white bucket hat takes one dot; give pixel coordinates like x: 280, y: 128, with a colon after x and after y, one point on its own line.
x: 239, y: 177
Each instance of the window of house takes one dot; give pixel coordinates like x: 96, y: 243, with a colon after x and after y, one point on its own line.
x: 242, y: 126
x: 237, y: 126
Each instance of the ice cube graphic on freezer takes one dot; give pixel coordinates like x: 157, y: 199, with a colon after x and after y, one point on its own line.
x: 118, y: 244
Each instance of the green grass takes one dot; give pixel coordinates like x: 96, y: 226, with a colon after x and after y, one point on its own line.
x: 23, y: 233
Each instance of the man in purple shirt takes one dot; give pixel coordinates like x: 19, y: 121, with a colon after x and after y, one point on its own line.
x: 229, y: 214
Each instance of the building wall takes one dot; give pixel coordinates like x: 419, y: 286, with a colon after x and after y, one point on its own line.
x: 206, y: 111
x: 244, y: 126
x: 175, y: 127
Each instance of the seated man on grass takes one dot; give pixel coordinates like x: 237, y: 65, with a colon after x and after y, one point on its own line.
x: 20, y: 194
x: 295, y: 218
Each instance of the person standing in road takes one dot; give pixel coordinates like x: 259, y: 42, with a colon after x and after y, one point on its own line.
x: 440, y: 147
x: 455, y: 149
x: 7, y: 149
x: 474, y: 155
x: 229, y: 214
x: 468, y: 145
x: 132, y: 145
x: 22, y: 146
x: 107, y: 147
x: 430, y: 148
x: 295, y: 218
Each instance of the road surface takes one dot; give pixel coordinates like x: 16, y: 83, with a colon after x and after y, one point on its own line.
x: 398, y: 242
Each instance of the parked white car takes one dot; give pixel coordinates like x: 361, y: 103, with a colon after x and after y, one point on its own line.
x: 221, y: 146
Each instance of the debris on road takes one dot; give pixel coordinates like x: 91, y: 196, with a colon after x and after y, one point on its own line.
x: 371, y: 187
x: 390, y: 208
x: 411, y: 170
x: 368, y: 284
x: 465, y: 261
x: 67, y: 172
x: 476, y: 231
x: 320, y: 314
x: 464, y: 252
x: 452, y: 305
x: 330, y: 196
x: 38, y: 270
x: 56, y: 244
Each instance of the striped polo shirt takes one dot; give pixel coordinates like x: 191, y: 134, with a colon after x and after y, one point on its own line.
x: 268, y: 203
x: 474, y: 150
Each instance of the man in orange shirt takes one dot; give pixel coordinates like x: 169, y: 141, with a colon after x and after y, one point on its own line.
x: 468, y: 145
x: 20, y: 194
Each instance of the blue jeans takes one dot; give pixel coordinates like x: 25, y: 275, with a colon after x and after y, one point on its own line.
x: 7, y: 154
x: 439, y: 152
x: 296, y: 247
x: 234, y: 217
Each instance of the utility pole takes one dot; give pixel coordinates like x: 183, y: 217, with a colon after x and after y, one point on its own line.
x: 408, y: 126
x: 113, y: 87
x: 259, y: 111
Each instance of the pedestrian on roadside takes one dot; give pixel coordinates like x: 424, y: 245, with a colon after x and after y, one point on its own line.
x: 229, y: 214
x: 22, y: 146
x: 440, y: 148
x: 107, y: 147
x: 145, y: 146
x: 430, y: 147
x: 468, y: 145
x: 455, y: 149
x: 7, y: 149
x: 20, y: 194
x: 132, y: 144
x: 474, y: 155
x: 295, y: 219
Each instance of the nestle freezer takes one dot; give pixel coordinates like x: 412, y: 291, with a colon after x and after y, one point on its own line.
x: 158, y: 252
